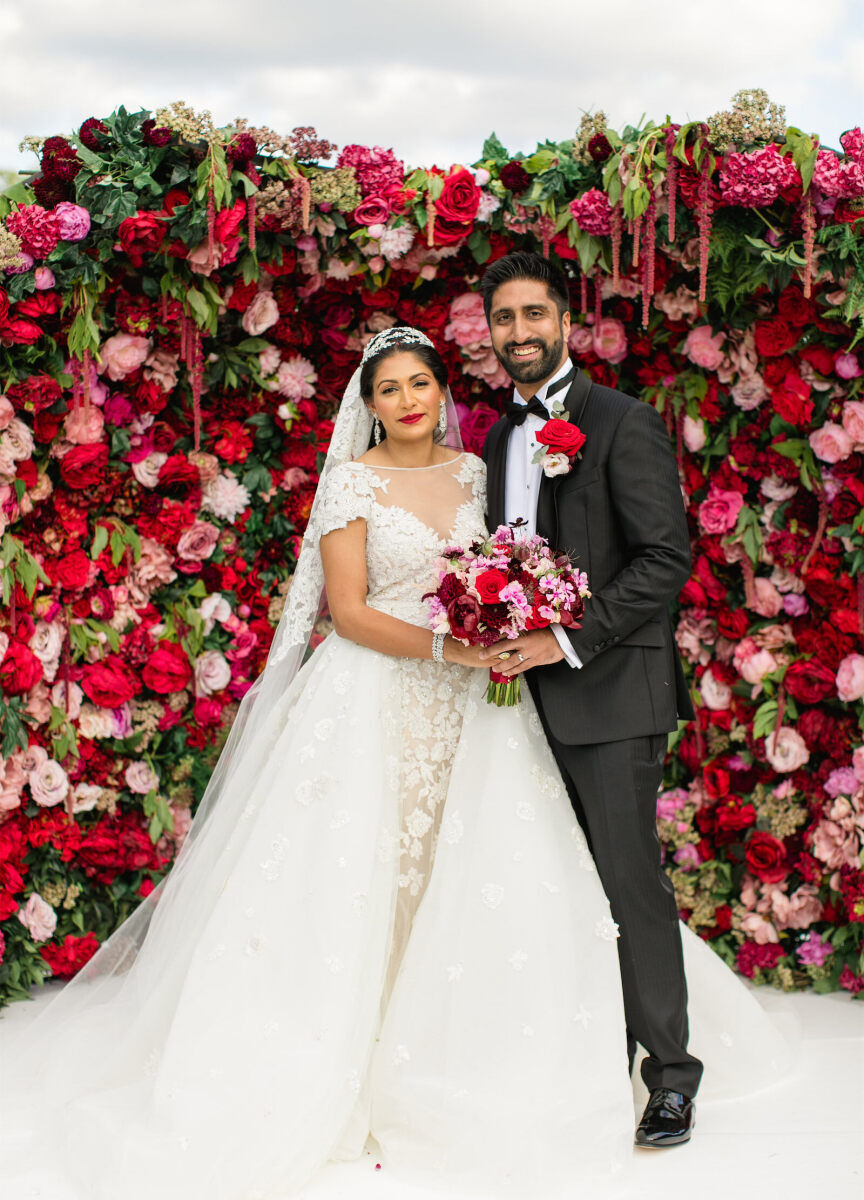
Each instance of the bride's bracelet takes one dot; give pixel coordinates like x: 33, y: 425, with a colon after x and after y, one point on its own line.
x: 438, y: 647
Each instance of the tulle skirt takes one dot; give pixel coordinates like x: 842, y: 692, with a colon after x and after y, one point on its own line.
x: 254, y: 1035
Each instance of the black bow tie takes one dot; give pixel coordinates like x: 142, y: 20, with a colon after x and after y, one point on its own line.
x: 516, y: 413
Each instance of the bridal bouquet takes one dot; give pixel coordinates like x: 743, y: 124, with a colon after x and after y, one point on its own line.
x: 501, y: 587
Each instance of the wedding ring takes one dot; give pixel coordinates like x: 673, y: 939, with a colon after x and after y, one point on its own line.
x: 521, y: 657
x: 505, y: 654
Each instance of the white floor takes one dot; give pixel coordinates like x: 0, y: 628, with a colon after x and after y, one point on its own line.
x: 799, y: 1140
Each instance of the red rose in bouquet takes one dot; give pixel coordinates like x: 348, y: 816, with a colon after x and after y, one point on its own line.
x: 142, y: 234
x: 20, y: 669
x: 67, y: 959
x: 168, y: 669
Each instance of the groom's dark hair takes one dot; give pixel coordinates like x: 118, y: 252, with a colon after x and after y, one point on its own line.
x: 525, y: 265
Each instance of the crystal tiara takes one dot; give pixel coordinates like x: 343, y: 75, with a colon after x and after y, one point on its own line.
x: 396, y: 336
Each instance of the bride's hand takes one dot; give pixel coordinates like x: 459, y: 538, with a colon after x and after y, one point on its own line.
x: 463, y: 656
x: 538, y: 648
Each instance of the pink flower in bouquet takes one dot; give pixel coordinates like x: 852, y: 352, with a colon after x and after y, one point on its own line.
x: 39, y: 918
x: 17, y: 440
x: 212, y: 673
x: 753, y: 663
x: 296, y: 379
x: 198, y: 541
x: 122, y: 354
x: 36, y: 228
x: 850, y: 678
x: 71, y: 705
x: 377, y: 170
x: 73, y: 221
x: 841, y: 782
x: 704, y: 347
x: 847, y: 366
x: 798, y: 910
x: 374, y: 210
x: 44, y: 279
x: 83, y: 426
x: 482, y: 364
x: 767, y: 601
x: 670, y: 803
x: 858, y: 763
x: 153, y: 568
x: 226, y: 497
x: 146, y: 470
x: 12, y: 780
x: 140, y: 777
x: 592, y: 213
x: 831, y: 443
x: 262, y: 313
x: 852, y: 417
x: 468, y: 325
x: 786, y: 750
x: 46, y: 643
x: 718, y: 512
x: 610, y: 340
x: 759, y: 928
x: 49, y: 783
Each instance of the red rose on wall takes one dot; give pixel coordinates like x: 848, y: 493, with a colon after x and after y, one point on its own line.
x: 810, y: 681
x: 766, y: 857
x: 168, y: 669
x: 66, y: 960
x: 773, y: 337
x: 456, y: 208
x: 142, y: 234
x: 109, y: 683
x: 72, y: 571
x: 84, y: 466
x: 20, y: 669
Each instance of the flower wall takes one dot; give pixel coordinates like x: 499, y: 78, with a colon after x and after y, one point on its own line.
x: 180, y: 309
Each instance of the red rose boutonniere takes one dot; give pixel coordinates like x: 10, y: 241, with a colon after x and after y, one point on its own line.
x: 562, y: 442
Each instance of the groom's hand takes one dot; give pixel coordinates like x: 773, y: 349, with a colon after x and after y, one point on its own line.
x: 538, y: 648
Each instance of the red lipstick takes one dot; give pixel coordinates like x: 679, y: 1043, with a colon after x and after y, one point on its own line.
x: 411, y: 419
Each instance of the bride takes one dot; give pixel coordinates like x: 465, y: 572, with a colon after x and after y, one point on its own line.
x: 385, y: 921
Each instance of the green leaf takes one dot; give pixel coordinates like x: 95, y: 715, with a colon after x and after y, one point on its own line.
x: 479, y: 245
x: 100, y: 541
x: 540, y: 161
x: 495, y: 151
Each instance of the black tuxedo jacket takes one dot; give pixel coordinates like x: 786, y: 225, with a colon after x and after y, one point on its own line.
x: 620, y: 515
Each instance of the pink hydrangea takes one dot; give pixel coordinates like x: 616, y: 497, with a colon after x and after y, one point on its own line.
x: 756, y: 179
x: 812, y: 952
x: 592, y: 213
x: 36, y: 229
x: 852, y: 142
x: 841, y: 180
x: 468, y: 325
x: 377, y: 170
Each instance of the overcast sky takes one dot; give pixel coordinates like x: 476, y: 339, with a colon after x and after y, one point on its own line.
x: 431, y: 78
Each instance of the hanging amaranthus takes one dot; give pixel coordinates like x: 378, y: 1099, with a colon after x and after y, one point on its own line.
x: 211, y: 229
x: 598, y: 298
x: 671, y: 177
x: 250, y: 216
x: 616, y: 234
x: 808, y: 222
x: 704, y: 212
x: 649, y: 246
x: 583, y: 293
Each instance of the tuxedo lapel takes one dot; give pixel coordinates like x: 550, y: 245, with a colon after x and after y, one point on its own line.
x: 574, y: 403
x: 496, y: 466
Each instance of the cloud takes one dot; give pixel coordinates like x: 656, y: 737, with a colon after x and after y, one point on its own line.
x: 430, y: 80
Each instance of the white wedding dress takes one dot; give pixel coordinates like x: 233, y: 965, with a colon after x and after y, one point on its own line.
x: 398, y: 932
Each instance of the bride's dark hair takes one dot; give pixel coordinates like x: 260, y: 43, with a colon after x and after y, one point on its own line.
x: 427, y: 354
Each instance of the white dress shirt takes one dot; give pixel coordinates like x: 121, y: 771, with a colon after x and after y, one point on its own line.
x: 522, y: 479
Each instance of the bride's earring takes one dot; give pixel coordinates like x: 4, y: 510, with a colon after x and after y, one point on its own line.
x: 376, y: 430
x: 442, y: 418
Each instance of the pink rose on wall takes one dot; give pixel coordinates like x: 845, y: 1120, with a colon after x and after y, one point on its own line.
x: 704, y: 347
x: 49, y: 783
x: 847, y: 365
x: 716, y: 695
x: 786, y: 750
x: 581, y: 339
x: 122, y: 354
x: 693, y: 433
x: 853, y: 422
x: 850, y: 678
x: 468, y: 324
x: 718, y: 512
x: 610, y: 340
x: 261, y: 314
x: 198, y: 541
x: 140, y: 778
x: 767, y: 601
x: 831, y: 443
x: 83, y: 427
x: 39, y: 918
x: 73, y: 221
x: 212, y: 673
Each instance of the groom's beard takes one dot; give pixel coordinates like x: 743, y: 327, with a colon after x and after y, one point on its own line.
x: 546, y: 363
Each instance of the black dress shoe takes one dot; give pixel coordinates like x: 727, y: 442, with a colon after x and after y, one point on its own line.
x: 667, y: 1121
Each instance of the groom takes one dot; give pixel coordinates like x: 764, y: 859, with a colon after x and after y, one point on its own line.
x: 609, y: 692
